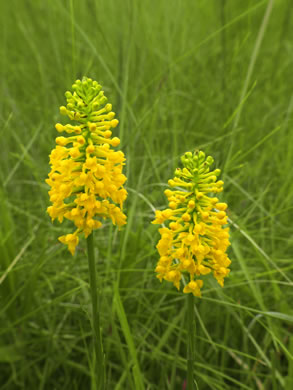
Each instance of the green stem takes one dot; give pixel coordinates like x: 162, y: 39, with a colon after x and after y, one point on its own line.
x: 100, y: 363
x: 190, y: 338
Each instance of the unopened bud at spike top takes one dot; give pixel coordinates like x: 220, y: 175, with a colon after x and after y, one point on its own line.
x: 86, y: 177
x: 196, y: 240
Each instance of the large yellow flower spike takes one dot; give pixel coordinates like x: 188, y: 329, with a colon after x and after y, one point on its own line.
x: 195, y: 241
x: 86, y: 176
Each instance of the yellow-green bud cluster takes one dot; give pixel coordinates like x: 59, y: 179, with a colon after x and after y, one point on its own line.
x: 195, y: 241
x: 86, y: 176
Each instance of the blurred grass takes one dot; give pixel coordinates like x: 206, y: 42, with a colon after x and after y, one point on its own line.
x: 214, y: 75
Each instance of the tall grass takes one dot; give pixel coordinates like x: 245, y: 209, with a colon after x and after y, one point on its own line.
x: 215, y: 75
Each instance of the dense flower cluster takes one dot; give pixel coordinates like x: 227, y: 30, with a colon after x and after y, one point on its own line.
x: 195, y: 241
x: 86, y: 174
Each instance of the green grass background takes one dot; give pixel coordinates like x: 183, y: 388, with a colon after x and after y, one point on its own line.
x: 209, y: 74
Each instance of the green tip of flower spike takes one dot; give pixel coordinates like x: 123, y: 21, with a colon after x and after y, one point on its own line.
x: 87, y: 96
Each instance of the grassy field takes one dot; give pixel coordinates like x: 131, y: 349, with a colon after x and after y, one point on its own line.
x: 214, y: 75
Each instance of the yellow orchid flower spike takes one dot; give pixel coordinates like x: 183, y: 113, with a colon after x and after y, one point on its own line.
x: 196, y: 240
x: 86, y: 176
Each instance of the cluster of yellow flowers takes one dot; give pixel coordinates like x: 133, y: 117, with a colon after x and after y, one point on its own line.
x: 86, y: 174
x: 195, y: 241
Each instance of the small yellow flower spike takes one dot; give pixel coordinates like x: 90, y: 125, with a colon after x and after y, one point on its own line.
x: 86, y: 176
x: 195, y: 241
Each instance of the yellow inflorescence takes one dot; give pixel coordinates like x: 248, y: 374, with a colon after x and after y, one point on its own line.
x: 195, y: 241
x: 86, y: 176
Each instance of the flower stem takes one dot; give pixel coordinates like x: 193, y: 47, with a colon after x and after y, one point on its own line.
x: 190, y: 338
x: 100, y: 362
